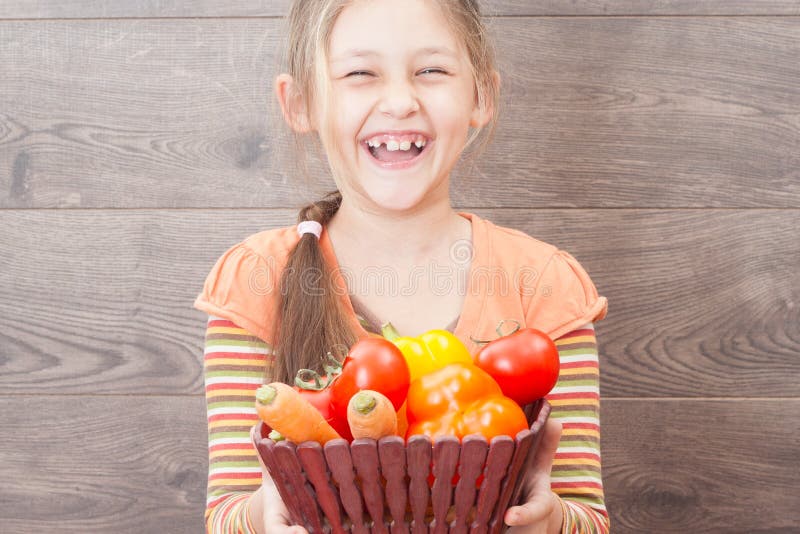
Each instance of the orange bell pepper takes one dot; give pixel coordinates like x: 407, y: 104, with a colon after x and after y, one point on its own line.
x: 461, y: 399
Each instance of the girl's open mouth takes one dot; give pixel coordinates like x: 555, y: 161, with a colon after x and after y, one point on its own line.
x: 396, y: 159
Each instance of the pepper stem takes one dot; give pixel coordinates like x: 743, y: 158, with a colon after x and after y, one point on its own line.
x: 389, y: 331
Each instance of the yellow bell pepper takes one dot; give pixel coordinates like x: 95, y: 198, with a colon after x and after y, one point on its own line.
x: 429, y: 352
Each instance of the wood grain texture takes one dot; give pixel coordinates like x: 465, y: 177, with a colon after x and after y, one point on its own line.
x: 16, y: 9
x: 701, y: 302
x: 78, y: 464
x: 701, y: 466
x: 596, y: 112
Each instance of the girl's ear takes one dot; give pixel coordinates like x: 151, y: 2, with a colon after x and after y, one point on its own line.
x: 481, y: 115
x: 292, y: 105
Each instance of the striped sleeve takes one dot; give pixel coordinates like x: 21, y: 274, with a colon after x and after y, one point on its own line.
x: 575, y: 400
x: 234, y: 364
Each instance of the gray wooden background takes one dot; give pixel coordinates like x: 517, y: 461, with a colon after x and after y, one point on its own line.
x: 657, y: 141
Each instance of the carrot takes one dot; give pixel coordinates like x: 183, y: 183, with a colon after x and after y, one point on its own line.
x: 284, y: 410
x: 371, y: 415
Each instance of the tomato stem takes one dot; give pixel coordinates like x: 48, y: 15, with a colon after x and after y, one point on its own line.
x: 310, y: 380
x: 499, y: 331
x: 499, y: 328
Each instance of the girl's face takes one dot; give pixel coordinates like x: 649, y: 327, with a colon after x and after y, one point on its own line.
x: 400, y: 79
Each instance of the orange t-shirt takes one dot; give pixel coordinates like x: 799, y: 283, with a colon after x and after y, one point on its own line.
x: 511, y: 276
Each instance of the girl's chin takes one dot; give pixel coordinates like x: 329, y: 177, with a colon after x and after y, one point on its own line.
x: 396, y: 197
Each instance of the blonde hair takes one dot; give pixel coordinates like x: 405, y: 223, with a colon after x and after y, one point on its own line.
x: 312, y: 320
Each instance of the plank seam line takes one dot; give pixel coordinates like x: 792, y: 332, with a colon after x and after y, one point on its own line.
x: 602, y: 398
x: 101, y: 395
x: 482, y: 208
x: 487, y: 16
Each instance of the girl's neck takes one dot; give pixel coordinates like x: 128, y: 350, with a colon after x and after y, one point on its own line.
x: 420, y: 235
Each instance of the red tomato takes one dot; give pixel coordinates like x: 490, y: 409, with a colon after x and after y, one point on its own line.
x: 321, y: 400
x: 372, y: 363
x: 525, y: 364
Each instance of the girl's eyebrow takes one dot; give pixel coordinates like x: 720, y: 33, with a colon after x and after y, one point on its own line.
x: 361, y: 52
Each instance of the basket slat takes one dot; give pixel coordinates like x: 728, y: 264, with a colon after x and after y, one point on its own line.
x: 281, y: 479
x: 286, y: 456
x: 419, y: 461
x: 392, y: 453
x: 500, y: 450
x: 313, y: 462
x: 542, y: 413
x: 445, y: 459
x: 523, y: 441
x: 337, y: 452
x: 473, y: 453
x: 531, y: 410
x: 527, y: 441
x: 365, y: 459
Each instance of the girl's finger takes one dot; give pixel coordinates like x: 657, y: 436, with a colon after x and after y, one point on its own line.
x: 276, y: 519
x: 276, y: 515
x: 529, y: 513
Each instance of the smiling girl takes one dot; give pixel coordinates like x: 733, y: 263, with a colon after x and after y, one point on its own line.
x: 395, y: 92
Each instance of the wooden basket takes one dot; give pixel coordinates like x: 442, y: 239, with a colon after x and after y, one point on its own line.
x: 384, y: 486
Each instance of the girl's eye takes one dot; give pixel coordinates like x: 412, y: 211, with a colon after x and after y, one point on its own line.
x: 367, y: 73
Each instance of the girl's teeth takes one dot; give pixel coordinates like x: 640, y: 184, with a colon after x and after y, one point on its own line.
x: 395, y: 145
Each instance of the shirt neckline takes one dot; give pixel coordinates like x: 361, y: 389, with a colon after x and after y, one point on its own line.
x: 472, y: 307
x: 374, y: 321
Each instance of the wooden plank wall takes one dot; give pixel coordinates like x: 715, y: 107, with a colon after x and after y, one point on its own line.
x: 657, y: 141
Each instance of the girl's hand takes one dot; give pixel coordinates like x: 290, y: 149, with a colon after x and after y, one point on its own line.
x: 275, y: 515
x: 541, y: 511
x: 267, y: 511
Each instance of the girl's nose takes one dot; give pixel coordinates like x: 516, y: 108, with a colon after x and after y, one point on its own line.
x: 399, y: 99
